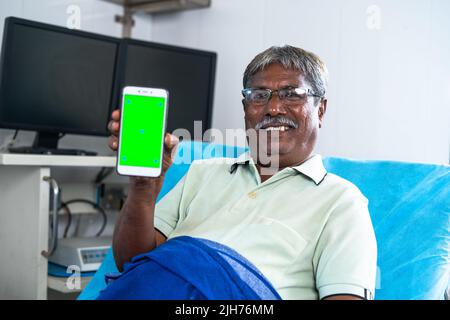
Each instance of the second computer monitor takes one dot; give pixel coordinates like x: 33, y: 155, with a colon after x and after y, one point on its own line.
x: 187, y: 74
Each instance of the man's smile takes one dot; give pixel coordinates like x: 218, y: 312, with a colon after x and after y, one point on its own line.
x: 277, y: 128
x: 276, y: 124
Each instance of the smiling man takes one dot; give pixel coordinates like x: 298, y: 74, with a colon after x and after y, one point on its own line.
x: 307, y: 231
x: 277, y: 97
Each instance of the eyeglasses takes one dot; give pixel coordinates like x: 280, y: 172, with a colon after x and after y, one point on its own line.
x: 262, y: 96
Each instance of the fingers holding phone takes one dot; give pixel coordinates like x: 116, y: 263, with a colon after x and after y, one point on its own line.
x: 113, y: 128
x: 170, y: 147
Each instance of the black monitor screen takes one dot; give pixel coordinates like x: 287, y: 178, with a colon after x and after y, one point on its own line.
x: 187, y: 74
x: 55, y: 80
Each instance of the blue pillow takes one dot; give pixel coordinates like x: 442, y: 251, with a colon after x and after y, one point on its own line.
x: 410, y: 209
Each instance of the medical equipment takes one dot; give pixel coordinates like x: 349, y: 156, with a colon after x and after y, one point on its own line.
x: 86, y: 253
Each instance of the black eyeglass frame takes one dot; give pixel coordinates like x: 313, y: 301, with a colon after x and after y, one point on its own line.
x: 247, y: 91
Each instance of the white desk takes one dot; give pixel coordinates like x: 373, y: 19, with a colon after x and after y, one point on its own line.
x: 24, y: 219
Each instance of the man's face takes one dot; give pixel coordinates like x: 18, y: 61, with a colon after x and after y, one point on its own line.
x: 297, y: 142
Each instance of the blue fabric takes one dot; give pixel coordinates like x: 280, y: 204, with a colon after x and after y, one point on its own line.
x: 59, y: 271
x: 410, y: 209
x: 186, y: 268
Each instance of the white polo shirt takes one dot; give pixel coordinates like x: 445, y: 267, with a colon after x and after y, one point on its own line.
x: 308, y: 231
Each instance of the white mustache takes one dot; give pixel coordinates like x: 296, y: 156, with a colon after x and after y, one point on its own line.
x: 275, y: 121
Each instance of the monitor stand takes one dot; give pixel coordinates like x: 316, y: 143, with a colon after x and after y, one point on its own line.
x: 47, y: 143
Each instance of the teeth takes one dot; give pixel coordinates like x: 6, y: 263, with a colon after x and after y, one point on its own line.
x: 282, y: 128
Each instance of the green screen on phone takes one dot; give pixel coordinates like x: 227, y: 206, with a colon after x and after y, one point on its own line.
x: 142, y: 131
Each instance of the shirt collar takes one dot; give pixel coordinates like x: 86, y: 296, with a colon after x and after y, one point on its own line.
x: 244, y: 158
x: 312, y: 168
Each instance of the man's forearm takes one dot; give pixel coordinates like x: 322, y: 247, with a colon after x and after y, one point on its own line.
x: 134, y: 232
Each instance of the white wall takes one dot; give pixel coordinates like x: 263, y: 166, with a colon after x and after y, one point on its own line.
x: 389, y: 94
x: 95, y: 16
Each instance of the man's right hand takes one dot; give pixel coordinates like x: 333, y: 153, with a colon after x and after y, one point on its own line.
x: 170, y: 144
x: 134, y: 232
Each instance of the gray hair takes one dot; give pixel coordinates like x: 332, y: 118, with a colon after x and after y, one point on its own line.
x: 310, y: 65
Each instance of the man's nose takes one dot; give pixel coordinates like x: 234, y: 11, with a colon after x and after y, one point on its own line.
x: 275, y: 106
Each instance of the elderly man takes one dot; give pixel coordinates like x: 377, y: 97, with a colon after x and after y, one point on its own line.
x: 308, y: 231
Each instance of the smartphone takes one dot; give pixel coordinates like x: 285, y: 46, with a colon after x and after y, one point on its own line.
x: 142, y: 126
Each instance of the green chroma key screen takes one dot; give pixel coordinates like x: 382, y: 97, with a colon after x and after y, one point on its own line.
x: 142, y: 131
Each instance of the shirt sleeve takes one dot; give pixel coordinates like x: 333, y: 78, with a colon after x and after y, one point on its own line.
x: 346, y: 253
x: 167, y: 209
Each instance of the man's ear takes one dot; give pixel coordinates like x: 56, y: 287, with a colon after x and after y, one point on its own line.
x: 322, y: 111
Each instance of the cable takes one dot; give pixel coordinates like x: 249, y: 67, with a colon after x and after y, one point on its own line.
x: 15, y: 136
x: 97, y: 207
x: 69, y: 218
x: 103, y: 174
x: 100, y: 209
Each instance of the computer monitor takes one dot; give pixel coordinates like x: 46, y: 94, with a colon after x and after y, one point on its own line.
x: 55, y: 81
x: 188, y: 75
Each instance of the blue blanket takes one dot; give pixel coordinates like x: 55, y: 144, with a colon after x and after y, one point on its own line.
x: 186, y: 268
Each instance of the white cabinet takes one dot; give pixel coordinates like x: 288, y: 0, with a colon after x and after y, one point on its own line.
x: 24, y: 218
